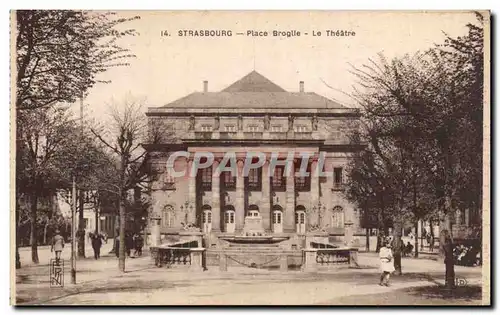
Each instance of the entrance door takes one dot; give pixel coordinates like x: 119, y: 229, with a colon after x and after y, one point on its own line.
x: 300, y: 222
x: 207, y: 221
x: 277, y: 222
x: 229, y: 221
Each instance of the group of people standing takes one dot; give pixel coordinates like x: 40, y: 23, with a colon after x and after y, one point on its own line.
x: 133, y: 241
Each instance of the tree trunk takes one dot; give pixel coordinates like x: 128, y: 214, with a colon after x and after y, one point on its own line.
x: 431, y: 232
x: 97, y: 220
x: 446, y: 249
x: 367, y: 240
x: 33, y: 234
x: 380, y: 241
x: 422, y: 235
x: 396, y: 247
x: 416, y: 239
x: 18, y: 259
x: 81, y: 226
x: 45, y: 232
x: 121, y: 249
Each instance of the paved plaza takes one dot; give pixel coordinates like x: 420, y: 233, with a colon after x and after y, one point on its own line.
x: 99, y: 282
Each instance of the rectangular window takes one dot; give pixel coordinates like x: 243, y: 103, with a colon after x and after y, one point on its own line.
x: 253, y: 128
x: 301, y: 128
x: 230, y: 128
x: 303, y: 183
x: 229, y: 180
x: 206, y: 127
x: 462, y: 217
x: 278, y: 180
x: 253, y: 181
x: 206, y: 179
x: 337, y: 175
x: 168, y: 182
x: 277, y: 128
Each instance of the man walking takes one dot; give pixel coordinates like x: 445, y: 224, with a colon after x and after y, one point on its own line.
x: 57, y: 245
x: 96, y: 245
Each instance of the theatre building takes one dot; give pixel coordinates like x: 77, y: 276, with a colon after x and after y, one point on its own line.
x: 254, y: 114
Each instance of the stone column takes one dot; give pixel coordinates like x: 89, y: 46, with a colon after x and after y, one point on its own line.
x: 313, y: 218
x: 215, y: 198
x: 289, y: 220
x: 191, y: 211
x: 266, y: 210
x: 240, y: 198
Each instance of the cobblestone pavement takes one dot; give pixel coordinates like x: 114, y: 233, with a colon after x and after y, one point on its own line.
x: 99, y: 282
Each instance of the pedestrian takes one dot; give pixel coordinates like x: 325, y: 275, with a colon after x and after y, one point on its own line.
x: 386, y: 263
x: 57, y: 245
x: 129, y: 243
x: 96, y: 245
x: 139, y: 243
x: 117, y: 246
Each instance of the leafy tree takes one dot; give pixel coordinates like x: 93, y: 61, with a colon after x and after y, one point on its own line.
x: 59, y: 53
x: 423, y: 126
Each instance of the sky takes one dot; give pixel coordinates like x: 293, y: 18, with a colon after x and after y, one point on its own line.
x: 169, y: 67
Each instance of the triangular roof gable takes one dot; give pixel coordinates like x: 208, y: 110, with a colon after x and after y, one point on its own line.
x: 254, y: 82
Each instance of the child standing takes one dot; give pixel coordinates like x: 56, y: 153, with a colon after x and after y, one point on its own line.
x: 386, y: 263
x: 57, y: 245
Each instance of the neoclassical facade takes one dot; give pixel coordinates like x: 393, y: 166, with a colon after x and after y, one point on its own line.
x: 255, y: 115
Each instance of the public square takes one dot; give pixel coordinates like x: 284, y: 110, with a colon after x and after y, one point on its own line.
x: 99, y: 282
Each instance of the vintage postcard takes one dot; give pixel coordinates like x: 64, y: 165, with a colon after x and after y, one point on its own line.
x: 250, y: 158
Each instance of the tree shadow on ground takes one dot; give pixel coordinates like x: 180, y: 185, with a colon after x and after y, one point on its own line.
x: 467, y: 293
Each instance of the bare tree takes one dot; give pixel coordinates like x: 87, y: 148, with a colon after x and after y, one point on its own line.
x: 124, y: 136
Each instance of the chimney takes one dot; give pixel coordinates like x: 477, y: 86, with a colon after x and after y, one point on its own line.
x: 301, y: 86
x: 205, y: 86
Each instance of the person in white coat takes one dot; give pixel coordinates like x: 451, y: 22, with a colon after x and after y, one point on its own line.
x: 386, y: 263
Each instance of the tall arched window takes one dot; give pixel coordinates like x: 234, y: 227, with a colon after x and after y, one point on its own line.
x: 300, y: 219
x: 338, y: 217
x: 229, y: 215
x: 167, y: 216
x: 277, y: 219
x: 207, y: 218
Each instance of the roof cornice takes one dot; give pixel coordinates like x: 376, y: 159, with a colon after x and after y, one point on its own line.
x: 328, y: 112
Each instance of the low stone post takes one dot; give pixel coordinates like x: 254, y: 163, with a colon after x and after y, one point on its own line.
x: 197, y: 258
x: 284, y: 263
x: 222, y: 262
x: 309, y: 263
x: 353, y: 258
x: 155, y: 231
x: 348, y: 233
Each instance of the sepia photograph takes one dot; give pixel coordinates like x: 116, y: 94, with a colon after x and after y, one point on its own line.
x: 270, y: 158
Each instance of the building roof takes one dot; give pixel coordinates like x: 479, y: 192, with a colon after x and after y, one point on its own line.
x: 254, y: 91
x: 254, y: 82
